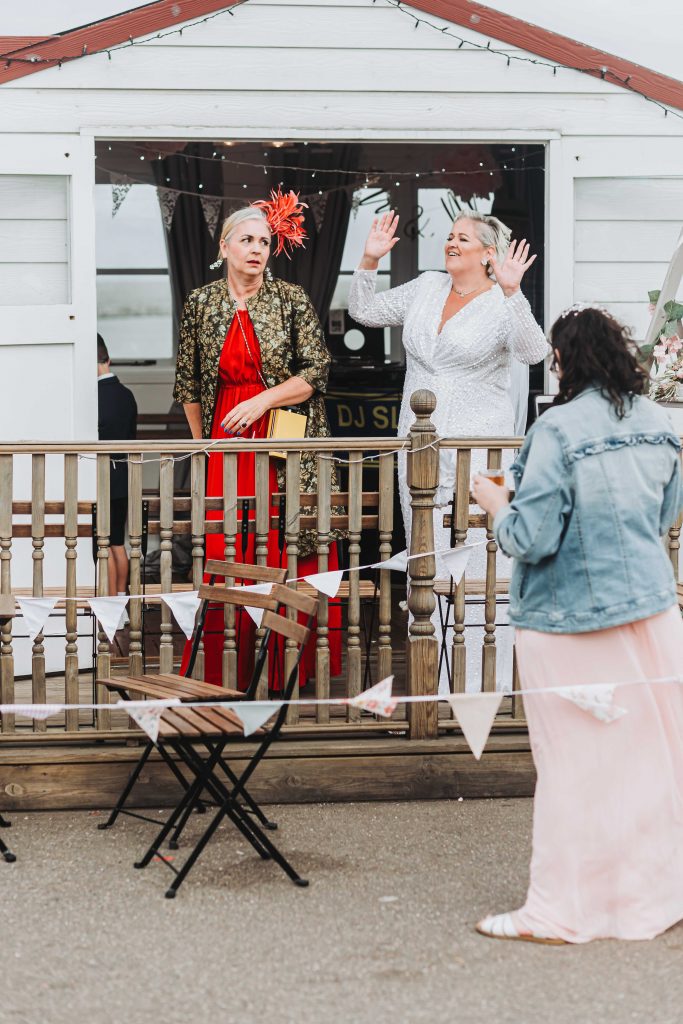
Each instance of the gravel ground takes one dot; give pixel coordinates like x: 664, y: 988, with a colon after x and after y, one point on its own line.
x: 383, y: 934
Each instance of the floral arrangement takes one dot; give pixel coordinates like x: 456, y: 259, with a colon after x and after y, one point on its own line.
x: 666, y: 374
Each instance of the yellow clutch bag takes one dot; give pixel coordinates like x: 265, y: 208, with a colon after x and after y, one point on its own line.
x: 286, y: 426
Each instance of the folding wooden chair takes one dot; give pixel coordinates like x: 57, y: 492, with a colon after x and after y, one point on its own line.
x: 184, y: 688
x: 199, y: 736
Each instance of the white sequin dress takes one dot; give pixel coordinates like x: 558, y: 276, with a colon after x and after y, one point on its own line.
x: 468, y: 367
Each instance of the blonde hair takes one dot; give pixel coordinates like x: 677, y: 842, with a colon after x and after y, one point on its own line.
x: 491, y: 232
x: 231, y: 223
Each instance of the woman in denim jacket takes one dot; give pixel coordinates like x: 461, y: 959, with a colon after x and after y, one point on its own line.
x: 593, y: 600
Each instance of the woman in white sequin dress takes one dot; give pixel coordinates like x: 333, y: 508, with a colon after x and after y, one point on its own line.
x: 469, y: 335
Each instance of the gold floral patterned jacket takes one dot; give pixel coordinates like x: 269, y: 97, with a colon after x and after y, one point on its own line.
x: 292, y: 345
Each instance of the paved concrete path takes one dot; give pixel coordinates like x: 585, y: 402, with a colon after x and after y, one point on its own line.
x: 384, y: 933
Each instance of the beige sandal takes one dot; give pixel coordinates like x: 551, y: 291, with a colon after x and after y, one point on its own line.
x: 501, y: 926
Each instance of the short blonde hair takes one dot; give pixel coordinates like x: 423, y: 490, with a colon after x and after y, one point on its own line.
x: 491, y: 232
x: 231, y: 223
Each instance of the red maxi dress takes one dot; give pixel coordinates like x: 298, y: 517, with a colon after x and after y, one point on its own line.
x: 239, y: 378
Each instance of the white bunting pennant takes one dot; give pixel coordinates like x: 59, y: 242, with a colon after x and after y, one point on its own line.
x: 147, y: 713
x: 184, y: 609
x: 326, y: 582
x: 456, y: 559
x: 168, y: 197
x: 377, y: 699
x: 595, y: 698
x: 257, y: 613
x: 36, y: 611
x: 399, y: 562
x: 119, y: 190
x: 109, y: 611
x: 475, y: 713
x: 252, y: 716
x: 39, y: 711
x: 212, y: 211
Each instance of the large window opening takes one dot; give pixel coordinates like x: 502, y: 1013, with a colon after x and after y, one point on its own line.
x: 160, y: 206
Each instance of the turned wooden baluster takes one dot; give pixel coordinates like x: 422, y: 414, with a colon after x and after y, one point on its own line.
x: 488, y: 653
x: 103, y: 717
x: 230, y: 539
x: 197, y: 517
x: 6, y: 653
x: 354, y: 653
x: 461, y: 512
x: 38, y: 688
x: 71, y: 691
x: 386, y: 528
x: 166, y: 484
x: 293, y: 514
x: 423, y: 648
x: 261, y: 527
x: 135, y: 537
x: 322, y: 653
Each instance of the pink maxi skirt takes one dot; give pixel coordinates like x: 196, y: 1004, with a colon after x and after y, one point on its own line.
x: 607, y: 858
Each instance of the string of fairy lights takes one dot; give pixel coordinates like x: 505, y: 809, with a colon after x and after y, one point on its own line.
x: 419, y: 21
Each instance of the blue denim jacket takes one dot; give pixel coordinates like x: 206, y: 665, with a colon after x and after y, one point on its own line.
x: 594, y: 495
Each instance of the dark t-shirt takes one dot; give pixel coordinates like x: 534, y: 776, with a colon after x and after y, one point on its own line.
x: 117, y: 421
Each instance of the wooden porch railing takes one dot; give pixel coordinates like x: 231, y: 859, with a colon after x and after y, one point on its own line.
x: 60, y: 491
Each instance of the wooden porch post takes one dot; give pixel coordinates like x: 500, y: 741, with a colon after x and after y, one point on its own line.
x: 423, y: 648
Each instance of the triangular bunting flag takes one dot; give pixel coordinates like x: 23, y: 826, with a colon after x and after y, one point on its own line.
x: 595, y: 698
x: 39, y: 711
x: 184, y: 609
x: 212, y: 211
x: 318, y: 205
x: 377, y: 699
x: 147, y: 713
x: 475, y: 713
x: 456, y: 559
x: 168, y: 197
x: 253, y: 715
x: 119, y: 190
x: 36, y: 611
x: 257, y: 613
x: 399, y: 562
x: 326, y: 582
x: 108, y: 612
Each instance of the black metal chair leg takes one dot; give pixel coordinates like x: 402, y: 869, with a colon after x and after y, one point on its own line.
x: 7, y: 853
x: 4, y: 823
x: 125, y: 793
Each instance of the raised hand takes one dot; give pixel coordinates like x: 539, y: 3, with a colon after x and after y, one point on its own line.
x: 381, y: 240
x: 510, y: 272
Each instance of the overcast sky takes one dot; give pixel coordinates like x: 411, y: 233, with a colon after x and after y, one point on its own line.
x: 648, y: 33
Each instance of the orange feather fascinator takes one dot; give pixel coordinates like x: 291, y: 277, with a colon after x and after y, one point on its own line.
x: 284, y: 214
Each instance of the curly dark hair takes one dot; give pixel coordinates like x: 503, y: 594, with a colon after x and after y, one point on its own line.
x: 593, y: 349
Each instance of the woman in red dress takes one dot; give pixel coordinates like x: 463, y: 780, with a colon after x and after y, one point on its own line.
x: 249, y: 344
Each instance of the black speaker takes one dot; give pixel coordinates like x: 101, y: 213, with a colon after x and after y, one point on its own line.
x: 351, y: 342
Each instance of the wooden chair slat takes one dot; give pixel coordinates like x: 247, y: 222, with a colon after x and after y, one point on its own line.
x: 292, y: 598
x: 285, y: 627
x: 237, y: 596
x: 179, y: 722
x: 240, y: 570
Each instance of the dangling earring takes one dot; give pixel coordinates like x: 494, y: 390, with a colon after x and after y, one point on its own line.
x: 216, y: 264
x: 268, y: 274
x: 484, y: 261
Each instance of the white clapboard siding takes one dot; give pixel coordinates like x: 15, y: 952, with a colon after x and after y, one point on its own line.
x: 598, y: 241
x: 33, y: 197
x: 629, y: 198
x: 34, y: 255
x: 278, y: 113
x: 333, y: 69
x: 625, y: 233
x: 34, y: 284
x: 25, y: 241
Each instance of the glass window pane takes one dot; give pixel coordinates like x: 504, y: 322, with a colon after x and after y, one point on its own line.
x: 371, y: 202
x: 134, y: 315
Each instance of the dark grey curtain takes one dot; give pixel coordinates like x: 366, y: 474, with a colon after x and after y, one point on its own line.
x: 317, y: 266
x: 190, y: 247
